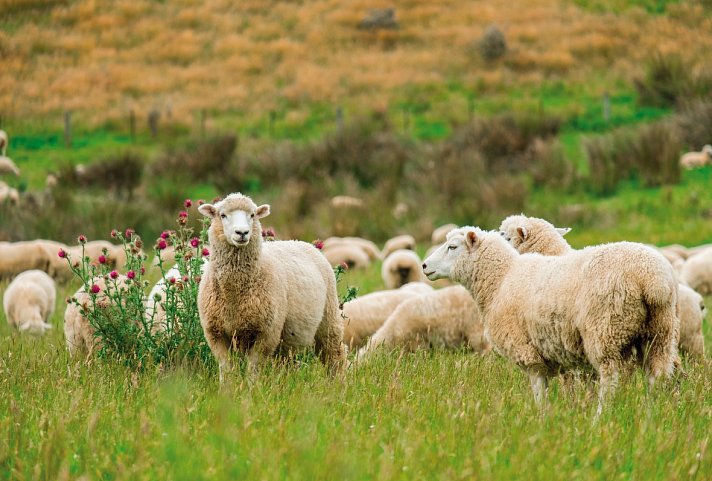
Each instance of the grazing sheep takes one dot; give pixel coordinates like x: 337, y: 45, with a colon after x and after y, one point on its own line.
x: 4, y: 142
x: 7, y: 166
x: 350, y: 255
x: 693, y: 251
x: 400, y: 268
x: 345, y: 214
x: 444, y: 318
x: 115, y: 256
x: 440, y: 234
x: 17, y: 257
x: 370, y: 248
x: 593, y: 309
x: 155, y: 312
x: 692, y: 313
x: 365, y: 314
x: 263, y: 298
x: 692, y: 160
x: 80, y: 335
x: 29, y: 302
x: 406, y: 242
x: 697, y: 272
x: 345, y: 201
x: 676, y: 249
x: 9, y: 194
x: 168, y: 256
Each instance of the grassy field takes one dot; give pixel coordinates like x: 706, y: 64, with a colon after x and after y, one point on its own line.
x: 429, y: 415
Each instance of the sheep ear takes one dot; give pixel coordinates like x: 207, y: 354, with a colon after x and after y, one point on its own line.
x: 522, y: 231
x: 262, y: 211
x: 471, y: 239
x: 563, y: 230
x: 208, y: 210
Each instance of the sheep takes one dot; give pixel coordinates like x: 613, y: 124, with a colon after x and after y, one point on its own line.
x: 263, y: 298
x: 7, y: 166
x: 168, y: 256
x: 692, y: 313
x: 345, y: 214
x: 692, y: 160
x: 400, y: 268
x: 592, y: 308
x: 4, y: 142
x: 155, y: 312
x: 9, y: 194
x: 697, y: 272
x: 693, y: 251
x: 406, y: 242
x: 17, y: 257
x: 439, y: 235
x: 29, y: 302
x: 345, y: 201
x: 444, y: 318
x: 676, y: 249
x: 59, y: 269
x: 365, y: 314
x: 79, y: 334
x: 350, y: 255
x: 543, y: 238
x: 369, y: 247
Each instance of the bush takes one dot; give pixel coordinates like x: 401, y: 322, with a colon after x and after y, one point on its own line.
x: 548, y: 165
x: 493, y: 44
x: 668, y: 81
x: 123, y: 329
x: 120, y: 174
x: 694, y: 124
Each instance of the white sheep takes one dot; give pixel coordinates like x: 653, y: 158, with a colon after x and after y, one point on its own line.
x: 346, y: 202
x: 9, y: 194
x: 345, y: 214
x: 352, y: 256
x: 676, y: 249
x: 406, y: 242
x: 446, y: 318
x: 591, y: 309
x: 17, y: 257
x: 29, y: 302
x: 692, y: 160
x: 7, y: 166
x: 168, y: 257
x: 696, y: 272
x: 365, y: 314
x: 155, y: 312
x: 401, y: 267
x: 4, y: 142
x: 260, y: 298
x: 692, y: 313
x: 440, y: 234
x: 369, y: 247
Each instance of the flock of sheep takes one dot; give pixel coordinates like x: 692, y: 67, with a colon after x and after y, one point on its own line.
x: 522, y: 291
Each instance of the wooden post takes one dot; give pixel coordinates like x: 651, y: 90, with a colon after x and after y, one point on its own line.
x: 606, y: 107
x: 68, y: 129
x: 339, y: 119
x: 132, y: 125
x: 406, y: 118
x: 470, y: 108
x: 203, y: 117
x: 153, y: 117
x: 272, y: 119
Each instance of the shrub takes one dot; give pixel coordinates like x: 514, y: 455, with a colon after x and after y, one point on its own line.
x: 656, y: 151
x: 694, y: 123
x: 609, y: 162
x: 120, y: 174
x: 668, y: 81
x: 493, y: 44
x: 123, y: 329
x: 548, y: 165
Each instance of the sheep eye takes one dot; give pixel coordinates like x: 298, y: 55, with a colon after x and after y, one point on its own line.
x: 223, y: 216
x: 451, y: 248
x: 252, y: 215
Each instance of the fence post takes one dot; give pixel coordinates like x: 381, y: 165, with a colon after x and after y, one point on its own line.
x: 272, y: 119
x: 606, y: 107
x: 339, y: 119
x: 132, y: 125
x: 68, y: 129
x: 153, y: 117
x: 406, y: 119
x: 470, y: 108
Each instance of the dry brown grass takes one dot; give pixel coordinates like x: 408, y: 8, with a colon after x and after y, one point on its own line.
x: 103, y: 58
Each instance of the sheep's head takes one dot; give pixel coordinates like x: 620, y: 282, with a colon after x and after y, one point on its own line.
x: 440, y: 264
x: 239, y: 217
x: 521, y: 231
x: 707, y: 149
x: 403, y: 266
x: 34, y: 328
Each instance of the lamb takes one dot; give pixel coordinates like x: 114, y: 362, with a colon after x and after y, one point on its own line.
x: 692, y: 313
x: 264, y: 298
x: 446, y: 318
x: 9, y: 194
x: 365, y: 314
x: 692, y: 160
x: 350, y: 255
x: 29, y: 302
x: 4, y: 142
x: 697, y: 272
x: 7, y: 166
x: 400, y: 268
x: 79, y: 334
x: 528, y: 234
x: 590, y: 309
x: 440, y: 234
x: 397, y: 243
x: 370, y: 248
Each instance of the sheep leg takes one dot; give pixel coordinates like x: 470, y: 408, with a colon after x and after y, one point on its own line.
x: 608, y: 382
x: 263, y: 348
x: 220, y: 347
x: 329, y: 335
x: 539, y: 384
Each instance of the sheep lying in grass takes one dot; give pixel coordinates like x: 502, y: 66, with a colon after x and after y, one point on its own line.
x: 400, y: 268
x: 9, y: 194
x: 692, y: 313
x: 692, y: 160
x: 29, y: 302
x: 350, y: 255
x: 370, y: 248
x: 527, y: 234
x: 406, y: 242
x: 260, y: 298
x: 365, y: 314
x: 446, y: 318
x: 440, y: 234
x: 590, y: 309
x: 7, y: 166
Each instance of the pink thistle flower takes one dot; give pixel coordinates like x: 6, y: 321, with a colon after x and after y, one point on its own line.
x: 165, y: 234
x: 131, y: 274
x: 161, y: 245
x: 62, y: 253
x: 143, y: 270
x: 114, y: 233
x: 186, y: 278
x: 172, y: 280
x: 95, y: 289
x: 197, y: 279
x: 138, y: 243
x: 82, y: 239
x: 187, y: 203
x: 216, y: 199
x: 319, y: 244
x: 206, y: 252
x: 129, y: 233
x: 345, y: 266
x: 113, y: 274
x: 102, y: 259
x: 182, y: 214
x: 201, y: 202
x: 194, y: 242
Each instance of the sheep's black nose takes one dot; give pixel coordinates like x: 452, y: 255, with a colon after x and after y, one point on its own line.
x: 425, y: 266
x: 242, y: 233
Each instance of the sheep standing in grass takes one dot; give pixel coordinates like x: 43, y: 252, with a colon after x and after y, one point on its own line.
x: 696, y: 272
x: 17, y: 257
x: 370, y: 248
x: 350, y: 255
x: 446, y: 318
x: 692, y: 160
x: 400, y: 268
x: 29, y: 302
x: 406, y: 242
x: 263, y: 298
x: 591, y: 309
x: 440, y: 234
x: 692, y: 313
x: 365, y: 314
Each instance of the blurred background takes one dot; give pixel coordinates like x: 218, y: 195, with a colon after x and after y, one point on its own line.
x: 423, y: 112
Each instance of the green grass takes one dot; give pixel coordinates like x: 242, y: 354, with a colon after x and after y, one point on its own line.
x: 429, y: 415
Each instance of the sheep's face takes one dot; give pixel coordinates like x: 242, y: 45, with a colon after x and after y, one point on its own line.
x: 34, y: 328
x: 238, y: 221
x: 440, y: 263
x: 517, y: 230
